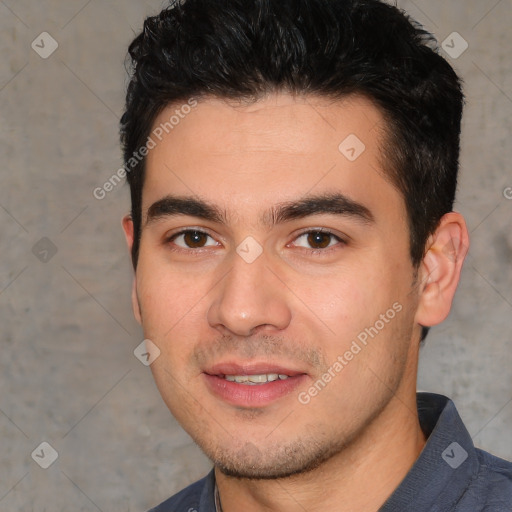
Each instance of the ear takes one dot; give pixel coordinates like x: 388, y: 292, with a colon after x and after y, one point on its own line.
x: 128, y: 233
x: 440, y: 269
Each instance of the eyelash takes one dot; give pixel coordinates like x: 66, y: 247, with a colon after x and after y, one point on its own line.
x: 323, y: 231
x: 340, y: 241
x: 170, y: 239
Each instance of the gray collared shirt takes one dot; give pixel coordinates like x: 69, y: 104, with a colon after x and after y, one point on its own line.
x: 450, y: 475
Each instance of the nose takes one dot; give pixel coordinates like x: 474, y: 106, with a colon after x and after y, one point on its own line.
x: 250, y: 298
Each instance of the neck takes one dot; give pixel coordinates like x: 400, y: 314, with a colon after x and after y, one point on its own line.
x: 360, y: 478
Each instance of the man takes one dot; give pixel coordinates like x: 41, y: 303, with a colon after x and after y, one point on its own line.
x: 293, y: 168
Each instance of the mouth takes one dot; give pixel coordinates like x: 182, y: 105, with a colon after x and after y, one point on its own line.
x: 252, y: 385
x: 256, y: 380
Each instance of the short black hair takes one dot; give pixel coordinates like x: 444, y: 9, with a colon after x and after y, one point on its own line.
x: 246, y: 49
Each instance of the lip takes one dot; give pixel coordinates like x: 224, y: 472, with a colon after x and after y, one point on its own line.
x: 243, y: 395
x: 232, y: 368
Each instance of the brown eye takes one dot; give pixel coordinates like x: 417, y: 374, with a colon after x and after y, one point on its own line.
x: 319, y: 240
x: 192, y: 239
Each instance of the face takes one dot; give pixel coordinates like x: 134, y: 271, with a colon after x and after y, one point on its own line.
x: 274, y: 277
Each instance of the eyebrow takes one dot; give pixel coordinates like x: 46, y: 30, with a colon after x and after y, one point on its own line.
x: 170, y: 206
x: 333, y: 204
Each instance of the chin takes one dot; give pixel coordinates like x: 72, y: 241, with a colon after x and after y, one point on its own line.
x: 270, y: 463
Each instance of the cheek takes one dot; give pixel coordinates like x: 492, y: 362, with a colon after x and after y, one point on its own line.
x: 158, y: 281
x: 168, y: 300
x: 347, y: 300
x: 339, y: 305
x: 367, y: 305
x: 372, y: 359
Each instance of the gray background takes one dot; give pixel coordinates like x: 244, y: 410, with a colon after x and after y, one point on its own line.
x: 68, y: 375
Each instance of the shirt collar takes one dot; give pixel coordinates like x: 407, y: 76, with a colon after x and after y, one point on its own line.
x: 446, y: 464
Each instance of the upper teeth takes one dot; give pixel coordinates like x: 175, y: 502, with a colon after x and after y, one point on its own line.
x: 255, y: 379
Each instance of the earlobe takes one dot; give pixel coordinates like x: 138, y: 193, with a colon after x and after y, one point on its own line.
x: 128, y: 233
x: 440, y: 269
x: 127, y: 223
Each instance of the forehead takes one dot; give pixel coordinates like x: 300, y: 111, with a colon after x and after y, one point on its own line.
x: 281, y: 122
x: 245, y: 156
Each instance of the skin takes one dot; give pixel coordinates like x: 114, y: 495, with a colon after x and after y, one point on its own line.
x: 293, y: 306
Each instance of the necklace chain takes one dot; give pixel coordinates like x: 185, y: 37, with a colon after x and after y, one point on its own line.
x: 218, y: 506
